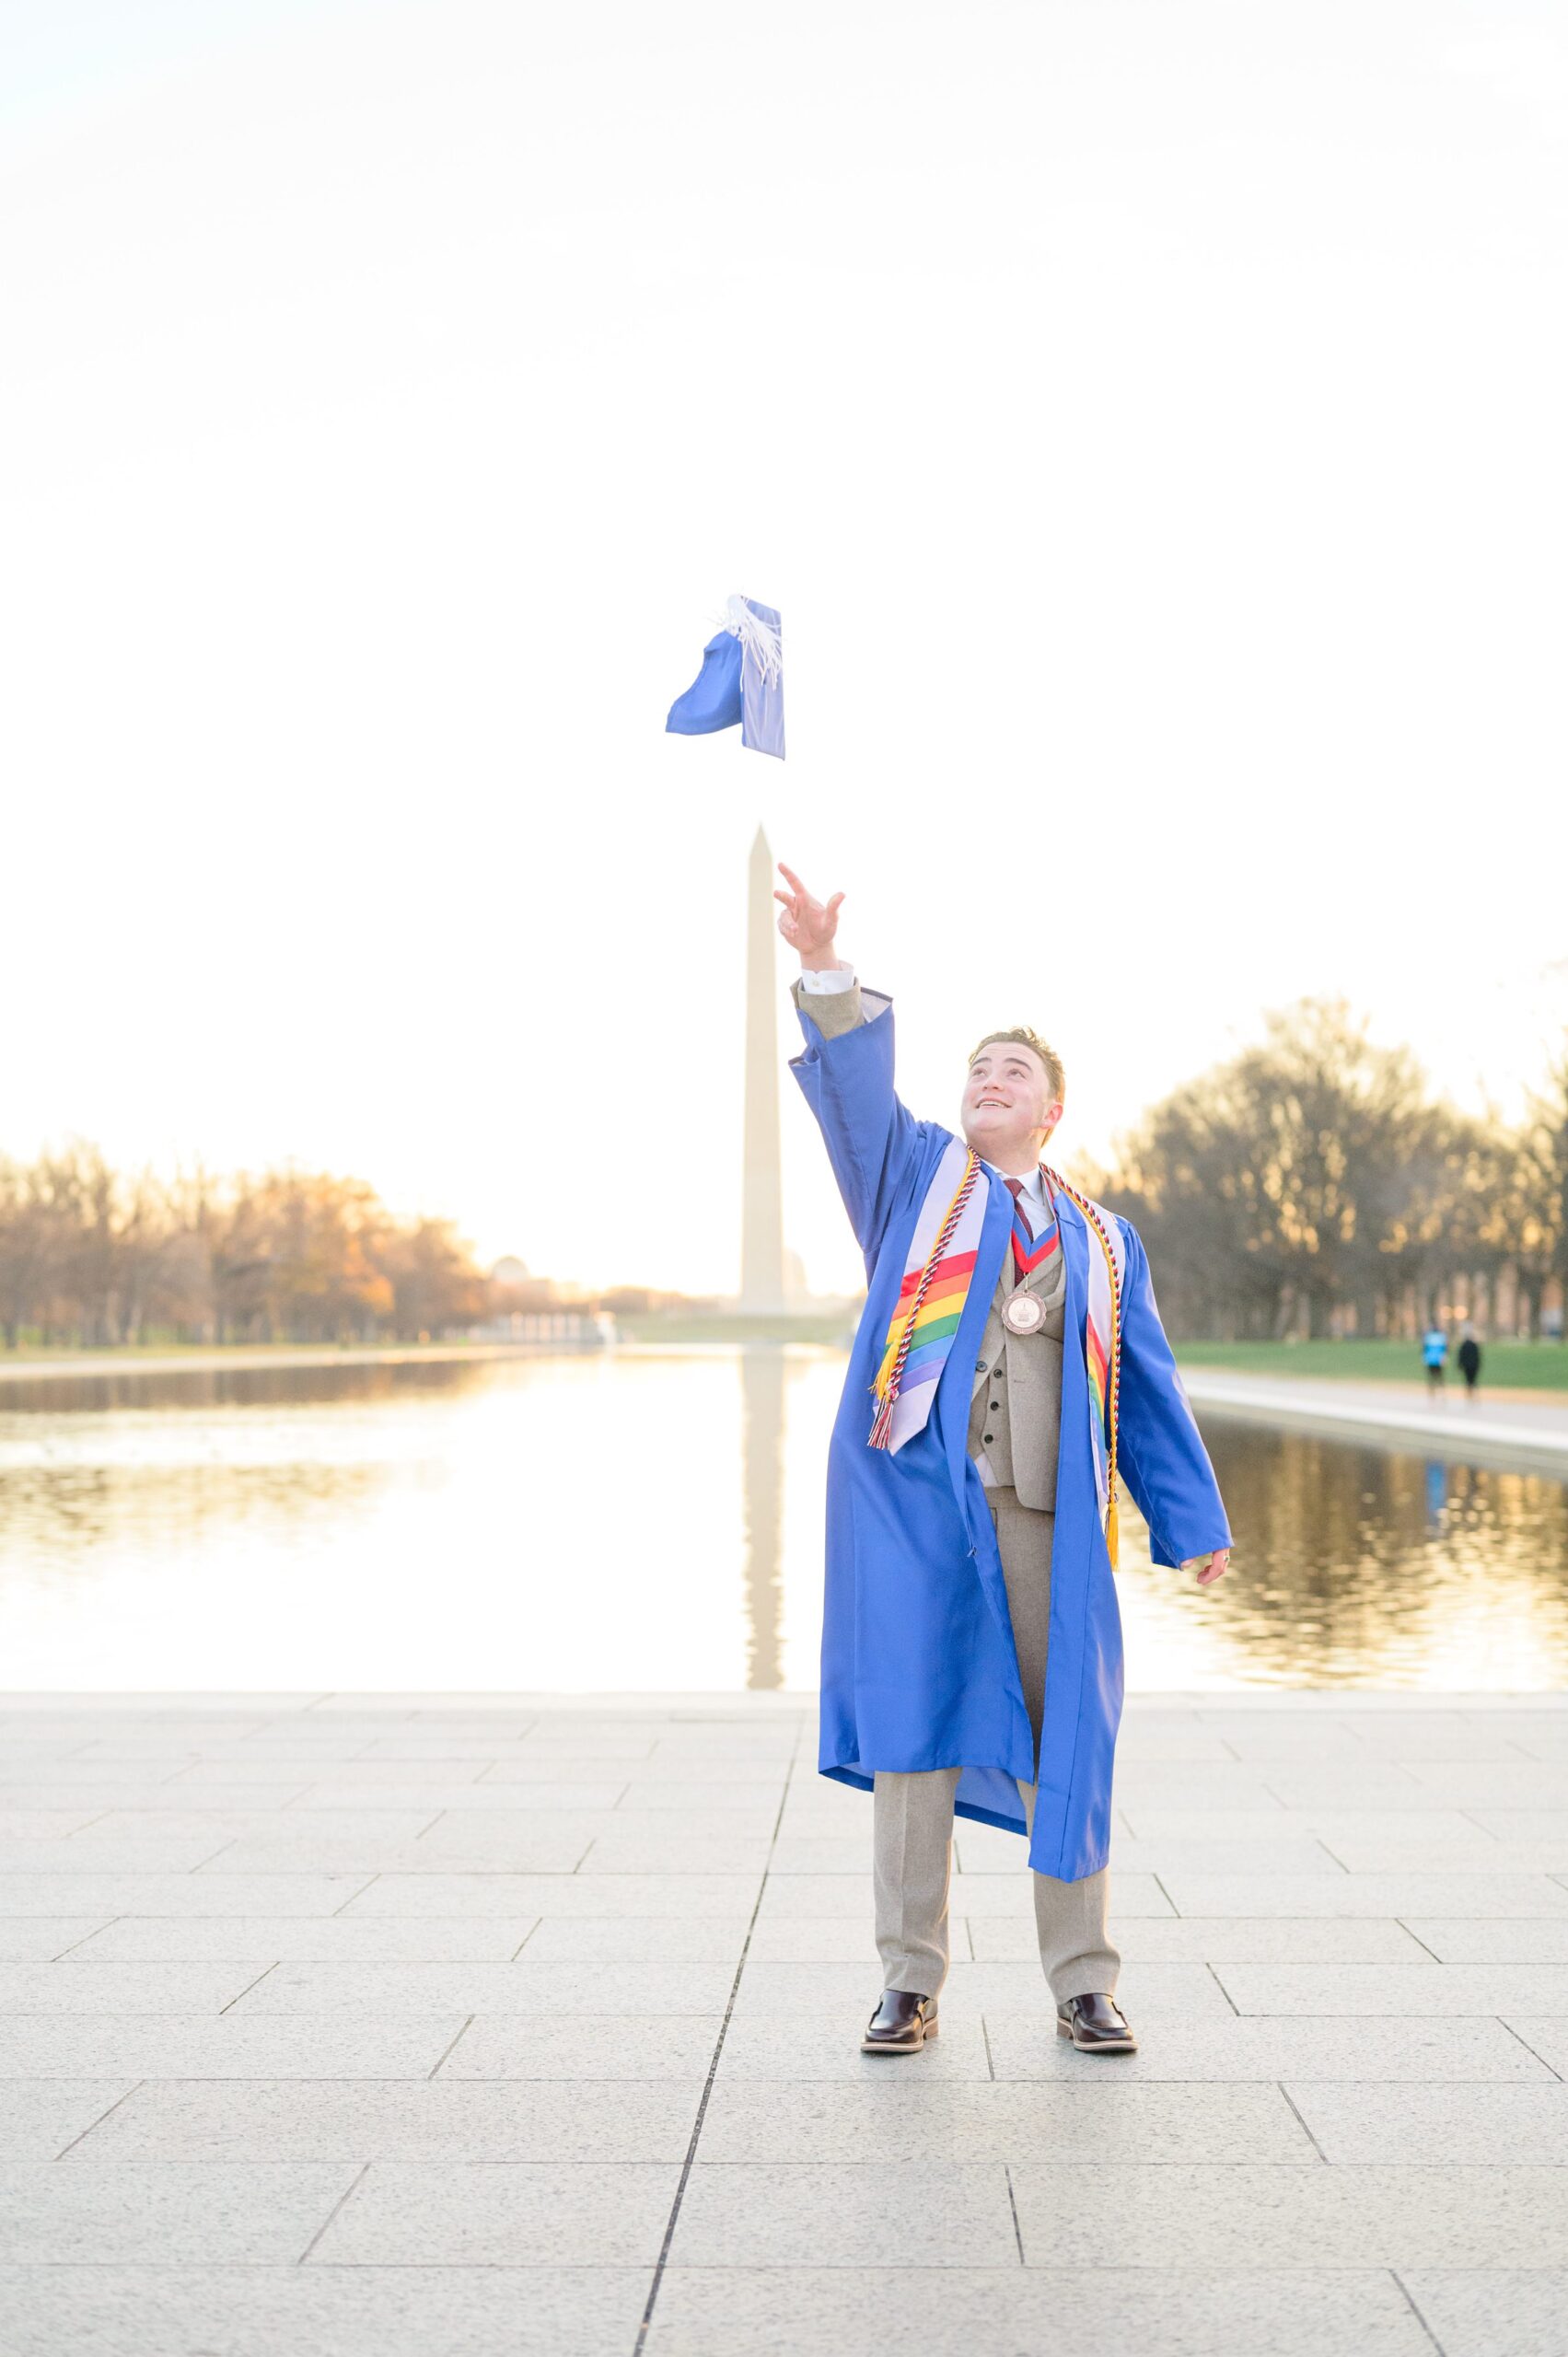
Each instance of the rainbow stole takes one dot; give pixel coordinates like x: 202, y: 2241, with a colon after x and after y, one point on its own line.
x: 937, y: 1269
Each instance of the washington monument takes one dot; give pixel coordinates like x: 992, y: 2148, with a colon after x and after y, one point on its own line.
x: 762, y: 1209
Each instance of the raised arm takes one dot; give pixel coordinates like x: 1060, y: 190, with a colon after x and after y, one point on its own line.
x: 846, y: 1070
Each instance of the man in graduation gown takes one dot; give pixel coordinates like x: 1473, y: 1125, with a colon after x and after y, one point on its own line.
x: 1008, y: 1363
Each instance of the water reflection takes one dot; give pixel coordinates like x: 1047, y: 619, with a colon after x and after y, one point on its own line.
x: 763, y: 1393
x: 579, y: 1522
x: 1437, y: 1491
x: 242, y: 1385
x: 1361, y: 1566
x: 654, y: 1519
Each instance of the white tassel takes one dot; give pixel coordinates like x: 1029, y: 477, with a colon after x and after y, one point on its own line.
x: 760, y: 640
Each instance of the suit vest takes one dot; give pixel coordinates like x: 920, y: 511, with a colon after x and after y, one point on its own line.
x: 1016, y: 1405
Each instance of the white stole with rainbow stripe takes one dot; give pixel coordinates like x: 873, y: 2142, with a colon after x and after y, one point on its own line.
x: 937, y: 1269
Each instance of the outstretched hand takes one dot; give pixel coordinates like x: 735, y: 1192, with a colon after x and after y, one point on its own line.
x: 1209, y: 1568
x: 807, y: 924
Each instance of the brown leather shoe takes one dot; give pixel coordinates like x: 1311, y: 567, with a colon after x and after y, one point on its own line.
x: 901, y: 2023
x: 1096, y: 2025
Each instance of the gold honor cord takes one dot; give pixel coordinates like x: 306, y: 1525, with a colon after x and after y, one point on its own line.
x: 1113, y: 1369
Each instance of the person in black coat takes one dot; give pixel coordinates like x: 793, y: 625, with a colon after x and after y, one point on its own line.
x: 1469, y: 1361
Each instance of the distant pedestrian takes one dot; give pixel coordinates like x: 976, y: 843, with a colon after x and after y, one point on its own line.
x: 1435, y: 1355
x: 1470, y: 1361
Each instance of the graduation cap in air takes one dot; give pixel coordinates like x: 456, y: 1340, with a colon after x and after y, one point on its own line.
x: 741, y: 678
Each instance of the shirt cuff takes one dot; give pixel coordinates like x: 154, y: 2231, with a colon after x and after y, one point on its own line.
x: 827, y: 977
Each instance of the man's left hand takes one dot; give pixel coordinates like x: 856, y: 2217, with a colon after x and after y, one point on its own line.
x: 1209, y: 1568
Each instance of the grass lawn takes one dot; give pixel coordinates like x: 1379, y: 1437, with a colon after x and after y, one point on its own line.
x: 1504, y: 1367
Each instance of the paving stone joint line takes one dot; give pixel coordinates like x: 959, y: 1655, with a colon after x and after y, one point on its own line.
x: 662, y: 2263
x: 1415, y: 2311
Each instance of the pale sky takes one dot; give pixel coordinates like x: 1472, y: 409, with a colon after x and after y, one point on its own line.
x: 1146, y: 413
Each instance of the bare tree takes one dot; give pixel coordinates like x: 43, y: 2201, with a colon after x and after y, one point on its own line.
x: 1308, y: 1175
x: 435, y: 1282
x: 1541, y: 1182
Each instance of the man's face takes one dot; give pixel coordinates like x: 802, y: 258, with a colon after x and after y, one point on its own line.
x: 1008, y: 1103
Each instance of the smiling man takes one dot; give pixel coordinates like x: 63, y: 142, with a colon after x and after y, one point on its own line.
x: 1009, y: 1365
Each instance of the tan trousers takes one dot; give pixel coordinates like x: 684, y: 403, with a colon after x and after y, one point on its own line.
x: 912, y: 1832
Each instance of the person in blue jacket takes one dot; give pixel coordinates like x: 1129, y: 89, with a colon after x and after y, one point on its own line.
x: 1435, y: 1356
x: 1009, y: 1364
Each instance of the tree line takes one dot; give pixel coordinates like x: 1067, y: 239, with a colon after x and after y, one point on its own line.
x: 1315, y: 1184
x: 1311, y: 1184
x: 93, y: 1257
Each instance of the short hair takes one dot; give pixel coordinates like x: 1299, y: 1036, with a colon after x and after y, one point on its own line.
x: 1048, y: 1056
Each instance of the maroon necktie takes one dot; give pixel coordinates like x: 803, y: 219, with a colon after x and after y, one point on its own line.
x: 1020, y: 1219
x: 1030, y: 1252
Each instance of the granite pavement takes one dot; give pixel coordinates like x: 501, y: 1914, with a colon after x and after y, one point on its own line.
x: 508, y: 2026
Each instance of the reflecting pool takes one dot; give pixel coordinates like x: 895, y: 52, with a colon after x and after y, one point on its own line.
x: 651, y: 1518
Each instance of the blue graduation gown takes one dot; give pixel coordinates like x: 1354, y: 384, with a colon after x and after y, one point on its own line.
x: 919, y: 1667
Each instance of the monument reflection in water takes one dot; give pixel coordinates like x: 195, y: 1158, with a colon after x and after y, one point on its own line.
x: 652, y: 1519
x: 762, y: 1506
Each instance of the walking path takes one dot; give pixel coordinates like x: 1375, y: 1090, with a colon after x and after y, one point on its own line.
x: 1520, y: 1430
x: 500, y: 2026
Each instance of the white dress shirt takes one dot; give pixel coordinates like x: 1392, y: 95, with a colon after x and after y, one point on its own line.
x: 1035, y: 1202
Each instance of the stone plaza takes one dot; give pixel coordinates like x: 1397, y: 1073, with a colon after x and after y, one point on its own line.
x: 490, y: 2026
